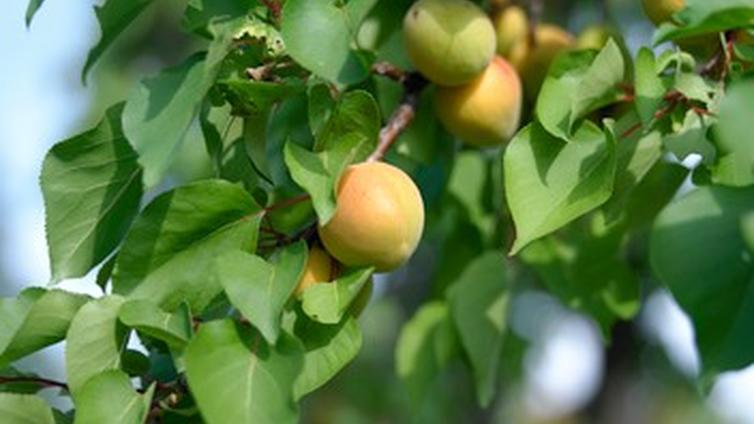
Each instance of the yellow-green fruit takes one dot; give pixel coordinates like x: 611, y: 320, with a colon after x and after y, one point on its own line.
x: 449, y: 41
x: 486, y: 111
x: 379, y: 218
x: 593, y: 37
x: 659, y: 11
x: 320, y: 267
x: 534, y: 62
x: 512, y: 28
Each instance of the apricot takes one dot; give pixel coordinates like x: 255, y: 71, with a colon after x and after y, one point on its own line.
x: 379, y: 217
x: 535, y: 60
x: 593, y: 37
x: 320, y: 267
x: 449, y: 41
x: 487, y: 111
x: 512, y: 28
x: 659, y: 11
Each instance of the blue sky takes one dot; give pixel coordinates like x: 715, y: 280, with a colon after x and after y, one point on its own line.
x: 42, y: 101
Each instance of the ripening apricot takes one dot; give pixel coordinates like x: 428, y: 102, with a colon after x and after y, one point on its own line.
x: 449, y: 41
x: 534, y: 62
x: 593, y: 37
x: 320, y: 267
x: 379, y: 218
x: 512, y: 28
x: 659, y: 11
x: 486, y: 111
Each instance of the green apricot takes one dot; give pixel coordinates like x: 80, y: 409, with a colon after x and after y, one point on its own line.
x: 449, y: 41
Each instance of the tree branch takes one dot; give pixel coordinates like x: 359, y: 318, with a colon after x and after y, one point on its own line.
x: 413, y: 84
x: 34, y: 380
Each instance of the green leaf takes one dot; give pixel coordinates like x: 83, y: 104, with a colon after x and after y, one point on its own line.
x: 167, y: 255
x: 92, y: 187
x: 649, y: 87
x: 32, y: 10
x: 158, y: 114
x: 704, y: 17
x: 260, y: 289
x: 586, y: 270
x: 578, y: 83
x: 328, y: 349
x: 478, y: 306
x: 114, y: 16
x: 147, y: 317
x: 35, y: 319
x: 319, y: 35
x: 635, y: 157
x: 199, y: 14
x: 698, y: 251
x: 321, y: 107
x: 94, y: 342
x: 108, y: 397
x: 236, y: 377
x: 694, y: 87
x: 251, y: 96
x: 349, y: 136
x: 356, y: 112
x: 327, y: 302
x: 549, y: 183
x: 24, y: 409
x: 692, y: 138
x: 426, y: 345
x: 733, y: 135
x: 308, y: 171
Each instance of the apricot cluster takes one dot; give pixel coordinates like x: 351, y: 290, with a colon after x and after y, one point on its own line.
x: 453, y: 43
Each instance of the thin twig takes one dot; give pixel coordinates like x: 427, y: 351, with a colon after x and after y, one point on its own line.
x: 389, y: 70
x: 413, y: 84
x: 536, y: 9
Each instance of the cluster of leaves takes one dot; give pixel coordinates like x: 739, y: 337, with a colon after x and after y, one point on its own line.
x: 286, y: 97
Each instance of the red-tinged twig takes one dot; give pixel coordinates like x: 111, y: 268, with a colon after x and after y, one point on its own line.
x: 287, y: 202
x: 721, y: 60
x: 45, y: 382
x: 275, y: 8
x: 389, y: 70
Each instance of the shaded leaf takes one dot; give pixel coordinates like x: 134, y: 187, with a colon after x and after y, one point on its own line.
x: 92, y: 188
x: 478, y: 306
x: 114, y: 16
x: 32, y: 10
x: 698, y: 251
x: 328, y: 349
x: 549, y: 183
x: 425, y: 346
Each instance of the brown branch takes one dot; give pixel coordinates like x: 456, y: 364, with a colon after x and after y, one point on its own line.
x: 34, y: 380
x: 389, y: 70
x: 721, y: 60
x: 413, y: 84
